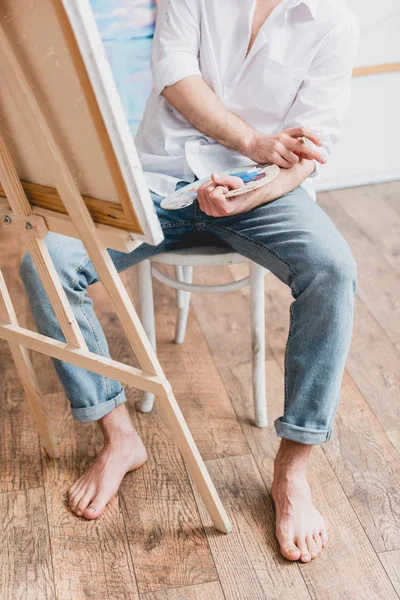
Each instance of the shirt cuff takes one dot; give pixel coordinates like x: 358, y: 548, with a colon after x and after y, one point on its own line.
x: 174, y: 67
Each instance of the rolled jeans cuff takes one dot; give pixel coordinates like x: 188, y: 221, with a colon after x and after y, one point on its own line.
x: 303, y: 435
x: 98, y: 411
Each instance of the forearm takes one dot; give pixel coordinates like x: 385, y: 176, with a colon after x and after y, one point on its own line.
x: 287, y: 181
x: 196, y: 101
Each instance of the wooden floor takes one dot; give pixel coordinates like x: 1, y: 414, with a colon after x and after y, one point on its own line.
x: 155, y: 541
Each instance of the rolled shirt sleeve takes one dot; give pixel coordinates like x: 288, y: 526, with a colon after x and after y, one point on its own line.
x: 326, y: 90
x: 176, y: 43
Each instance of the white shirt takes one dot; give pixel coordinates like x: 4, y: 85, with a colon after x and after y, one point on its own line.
x: 297, y: 73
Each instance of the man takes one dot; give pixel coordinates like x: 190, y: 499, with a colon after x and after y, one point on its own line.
x: 236, y: 81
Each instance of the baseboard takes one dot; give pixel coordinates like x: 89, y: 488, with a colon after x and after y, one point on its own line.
x: 355, y: 180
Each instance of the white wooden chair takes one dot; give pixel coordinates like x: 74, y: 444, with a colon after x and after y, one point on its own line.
x: 184, y: 261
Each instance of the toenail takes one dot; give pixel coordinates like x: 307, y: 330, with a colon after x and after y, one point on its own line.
x: 90, y: 510
x: 306, y: 557
x: 291, y: 550
x: 79, y: 513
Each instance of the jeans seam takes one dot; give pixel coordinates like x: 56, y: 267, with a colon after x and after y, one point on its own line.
x: 243, y: 238
x: 286, y: 354
x: 176, y: 224
x: 105, y: 379
x: 197, y: 215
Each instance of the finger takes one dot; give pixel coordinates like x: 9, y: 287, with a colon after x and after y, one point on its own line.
x: 288, y: 155
x: 279, y: 160
x: 220, y: 206
x: 309, y: 152
x: 205, y: 202
x: 201, y: 198
x: 298, y: 132
x: 232, y: 182
x: 219, y: 193
x: 205, y: 190
x: 301, y: 155
x: 204, y: 185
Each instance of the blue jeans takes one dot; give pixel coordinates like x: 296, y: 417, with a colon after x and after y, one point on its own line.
x: 293, y: 238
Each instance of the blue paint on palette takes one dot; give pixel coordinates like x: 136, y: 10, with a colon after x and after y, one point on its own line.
x: 127, y: 28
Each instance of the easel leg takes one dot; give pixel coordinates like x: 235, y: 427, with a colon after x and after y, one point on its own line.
x: 34, y: 396
x: 27, y: 374
x: 194, y: 461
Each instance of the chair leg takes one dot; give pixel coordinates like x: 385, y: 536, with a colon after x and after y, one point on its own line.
x: 183, y: 274
x: 146, y: 300
x: 257, y: 275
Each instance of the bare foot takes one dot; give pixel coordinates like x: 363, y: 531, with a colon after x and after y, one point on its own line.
x: 123, y: 452
x: 300, y: 528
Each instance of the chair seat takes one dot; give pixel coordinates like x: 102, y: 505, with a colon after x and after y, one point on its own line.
x: 200, y: 256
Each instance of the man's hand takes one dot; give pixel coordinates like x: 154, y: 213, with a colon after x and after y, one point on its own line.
x: 211, y: 195
x: 212, y: 198
x: 284, y: 148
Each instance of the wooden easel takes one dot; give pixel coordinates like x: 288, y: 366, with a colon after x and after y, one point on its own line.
x: 18, y: 216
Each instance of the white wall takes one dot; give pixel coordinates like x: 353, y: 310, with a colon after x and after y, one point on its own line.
x: 369, y: 151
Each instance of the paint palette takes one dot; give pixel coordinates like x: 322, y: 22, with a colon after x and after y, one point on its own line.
x: 253, y: 177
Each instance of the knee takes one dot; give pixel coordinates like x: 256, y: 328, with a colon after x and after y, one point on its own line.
x: 339, y: 268
x: 329, y: 264
x: 63, y: 255
x: 343, y: 266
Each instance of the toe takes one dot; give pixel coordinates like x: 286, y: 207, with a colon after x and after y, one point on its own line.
x: 290, y: 550
x: 74, y: 494
x: 318, y: 541
x: 75, y: 487
x: 83, y: 504
x: 286, y: 542
x: 324, y: 537
x: 96, y: 508
x: 73, y: 501
x: 77, y: 497
x: 312, y: 548
x: 304, y: 552
x: 72, y: 488
x: 71, y: 496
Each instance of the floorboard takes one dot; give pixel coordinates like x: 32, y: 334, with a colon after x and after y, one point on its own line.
x: 206, y: 591
x: 25, y: 557
x: 391, y: 563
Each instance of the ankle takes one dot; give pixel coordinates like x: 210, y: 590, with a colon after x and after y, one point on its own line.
x: 120, y: 437
x: 117, y: 427
x: 289, y: 476
x: 291, y: 461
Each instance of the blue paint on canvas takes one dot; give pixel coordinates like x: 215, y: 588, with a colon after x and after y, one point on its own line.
x: 126, y: 28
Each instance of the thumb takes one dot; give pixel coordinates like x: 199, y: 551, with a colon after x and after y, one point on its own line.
x: 232, y: 182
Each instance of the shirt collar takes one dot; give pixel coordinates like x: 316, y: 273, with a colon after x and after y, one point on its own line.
x: 311, y: 5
